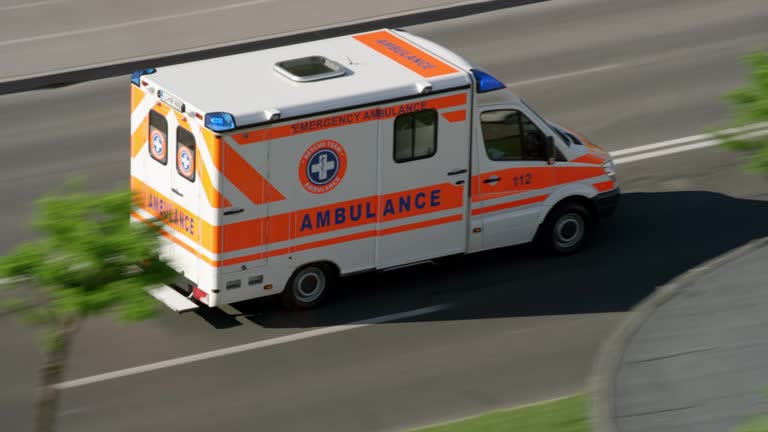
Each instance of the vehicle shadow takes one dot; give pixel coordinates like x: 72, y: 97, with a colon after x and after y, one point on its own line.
x: 652, y: 238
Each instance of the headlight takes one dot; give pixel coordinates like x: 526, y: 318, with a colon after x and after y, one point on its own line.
x: 610, y: 169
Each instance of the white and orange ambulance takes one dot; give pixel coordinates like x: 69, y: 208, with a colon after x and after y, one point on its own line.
x: 279, y: 171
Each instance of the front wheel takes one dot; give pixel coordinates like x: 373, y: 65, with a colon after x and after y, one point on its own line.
x: 566, y: 229
x: 308, y: 287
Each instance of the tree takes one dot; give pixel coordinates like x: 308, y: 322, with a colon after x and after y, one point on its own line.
x: 750, y: 104
x: 89, y: 260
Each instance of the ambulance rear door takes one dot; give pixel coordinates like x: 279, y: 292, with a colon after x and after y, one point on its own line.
x: 185, y: 192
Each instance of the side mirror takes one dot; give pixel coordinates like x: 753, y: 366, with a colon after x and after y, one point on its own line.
x: 550, y: 149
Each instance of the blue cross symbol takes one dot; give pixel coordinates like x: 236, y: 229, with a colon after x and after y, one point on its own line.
x: 185, y: 161
x: 157, y: 143
x: 323, y: 167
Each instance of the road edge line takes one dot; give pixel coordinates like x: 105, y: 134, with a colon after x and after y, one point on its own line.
x: 608, y: 359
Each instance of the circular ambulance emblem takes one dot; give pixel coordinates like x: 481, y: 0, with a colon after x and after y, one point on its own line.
x: 157, y: 144
x: 185, y: 162
x: 322, y: 166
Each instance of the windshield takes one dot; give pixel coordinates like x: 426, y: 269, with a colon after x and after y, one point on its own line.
x: 551, y: 126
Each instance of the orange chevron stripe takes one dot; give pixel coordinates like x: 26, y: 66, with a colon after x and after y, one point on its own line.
x: 455, y: 116
x: 589, y: 158
x: 249, y: 181
x: 605, y: 186
x: 139, y: 137
x: 215, y: 199
x: 137, y: 96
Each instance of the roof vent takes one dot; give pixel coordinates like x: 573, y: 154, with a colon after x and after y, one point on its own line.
x: 312, y: 68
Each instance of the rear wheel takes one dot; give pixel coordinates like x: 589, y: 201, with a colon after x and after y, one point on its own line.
x: 308, y: 287
x: 566, y: 229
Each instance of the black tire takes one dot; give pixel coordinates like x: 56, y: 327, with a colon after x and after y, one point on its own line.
x: 308, y: 287
x: 566, y: 229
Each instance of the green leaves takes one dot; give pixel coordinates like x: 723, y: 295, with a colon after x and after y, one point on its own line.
x: 750, y: 105
x: 81, y: 264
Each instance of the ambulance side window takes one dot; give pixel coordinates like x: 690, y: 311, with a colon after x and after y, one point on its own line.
x: 415, y: 136
x: 511, y: 136
x: 158, y: 137
x: 185, y: 153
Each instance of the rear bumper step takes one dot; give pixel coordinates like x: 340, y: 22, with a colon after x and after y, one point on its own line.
x: 176, y: 301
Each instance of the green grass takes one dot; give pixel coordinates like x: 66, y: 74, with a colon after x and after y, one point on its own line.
x: 755, y: 425
x: 563, y: 415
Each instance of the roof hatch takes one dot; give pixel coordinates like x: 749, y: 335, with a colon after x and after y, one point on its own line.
x: 311, y: 68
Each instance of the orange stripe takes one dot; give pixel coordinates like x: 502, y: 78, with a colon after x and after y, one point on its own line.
x: 213, y: 143
x: 161, y: 108
x: 589, y: 158
x: 455, y: 116
x: 202, y: 233
x: 215, y: 199
x: 341, y: 120
x: 288, y: 226
x: 565, y: 175
x: 172, y: 238
x: 344, y: 239
x: 419, y: 225
x: 139, y: 137
x: 182, y: 121
x: 508, y: 205
x: 137, y: 96
x: 604, y: 186
x: 247, y: 179
x: 405, y: 54
x: 305, y: 246
x: 490, y: 196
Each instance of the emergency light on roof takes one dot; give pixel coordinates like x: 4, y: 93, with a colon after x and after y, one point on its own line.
x: 137, y: 74
x: 219, y: 121
x: 311, y: 68
x: 486, y: 82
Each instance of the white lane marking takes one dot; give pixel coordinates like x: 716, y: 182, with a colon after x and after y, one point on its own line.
x: 131, y: 23
x: 248, y: 347
x: 29, y: 5
x: 673, y: 150
x: 565, y: 75
x: 686, y: 140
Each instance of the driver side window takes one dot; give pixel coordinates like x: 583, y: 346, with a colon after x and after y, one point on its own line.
x: 509, y: 135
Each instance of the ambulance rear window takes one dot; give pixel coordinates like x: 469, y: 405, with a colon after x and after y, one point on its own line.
x: 185, y: 153
x: 158, y: 137
x: 415, y: 136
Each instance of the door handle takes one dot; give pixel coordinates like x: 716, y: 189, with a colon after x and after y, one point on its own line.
x: 493, y: 179
x: 457, y: 172
x: 177, y: 192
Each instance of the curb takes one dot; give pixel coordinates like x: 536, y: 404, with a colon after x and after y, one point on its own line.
x: 608, y: 360
x: 63, y: 78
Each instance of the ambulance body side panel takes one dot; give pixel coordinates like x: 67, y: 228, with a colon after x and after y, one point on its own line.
x: 328, y: 176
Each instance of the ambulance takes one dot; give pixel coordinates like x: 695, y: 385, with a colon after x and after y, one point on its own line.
x: 277, y: 172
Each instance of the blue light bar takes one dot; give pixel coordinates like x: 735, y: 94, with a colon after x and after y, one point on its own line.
x: 486, y: 82
x: 137, y: 74
x: 219, y: 121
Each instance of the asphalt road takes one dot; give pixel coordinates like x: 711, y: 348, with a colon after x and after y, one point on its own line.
x: 36, y: 34
x: 521, y: 328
